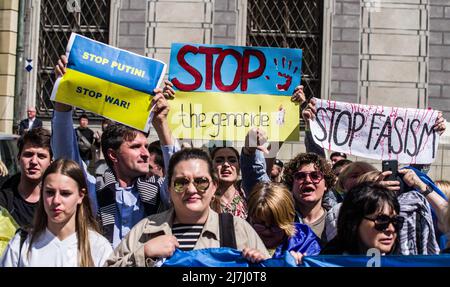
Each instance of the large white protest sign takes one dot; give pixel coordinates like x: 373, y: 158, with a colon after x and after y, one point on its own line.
x: 376, y: 132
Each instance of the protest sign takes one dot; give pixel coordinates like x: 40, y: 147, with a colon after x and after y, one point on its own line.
x: 108, y: 81
x: 376, y: 132
x: 223, y: 91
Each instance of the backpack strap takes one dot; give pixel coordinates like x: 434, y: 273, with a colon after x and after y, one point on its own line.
x: 227, y: 233
x: 23, y: 234
x: 83, y: 138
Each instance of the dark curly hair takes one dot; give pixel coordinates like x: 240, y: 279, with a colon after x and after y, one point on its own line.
x: 303, y: 159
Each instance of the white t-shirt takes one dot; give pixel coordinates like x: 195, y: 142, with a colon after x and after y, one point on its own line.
x: 49, y: 251
x: 30, y: 123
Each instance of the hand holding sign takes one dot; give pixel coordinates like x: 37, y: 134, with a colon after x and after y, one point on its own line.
x: 309, y: 113
x: 299, y: 95
x: 256, y: 139
x: 60, y: 68
x: 168, y: 91
x: 440, y: 123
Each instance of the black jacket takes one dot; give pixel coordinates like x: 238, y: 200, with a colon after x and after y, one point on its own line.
x: 23, y: 125
x: 21, y: 210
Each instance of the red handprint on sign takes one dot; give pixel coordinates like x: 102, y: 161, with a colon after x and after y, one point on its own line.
x: 285, y: 73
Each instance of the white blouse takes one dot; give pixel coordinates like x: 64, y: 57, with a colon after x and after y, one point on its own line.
x: 49, y: 251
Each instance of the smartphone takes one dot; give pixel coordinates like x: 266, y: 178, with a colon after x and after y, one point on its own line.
x: 391, y: 165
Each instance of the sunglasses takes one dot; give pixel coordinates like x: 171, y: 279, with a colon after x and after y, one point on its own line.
x: 315, y: 176
x: 181, y: 184
x: 382, y: 222
x: 261, y: 227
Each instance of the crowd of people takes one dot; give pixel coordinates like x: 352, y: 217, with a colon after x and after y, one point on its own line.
x: 149, y: 200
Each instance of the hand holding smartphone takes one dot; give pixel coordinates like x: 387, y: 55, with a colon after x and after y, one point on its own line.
x: 390, y: 165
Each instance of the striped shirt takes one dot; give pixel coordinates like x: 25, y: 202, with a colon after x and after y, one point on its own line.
x: 187, y: 235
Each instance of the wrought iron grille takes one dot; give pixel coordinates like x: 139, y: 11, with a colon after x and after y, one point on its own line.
x: 290, y: 24
x: 57, y: 21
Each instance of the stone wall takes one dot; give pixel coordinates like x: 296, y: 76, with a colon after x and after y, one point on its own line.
x: 394, y: 54
x: 132, y: 25
x: 439, y: 66
x: 345, y: 51
x: 225, y: 19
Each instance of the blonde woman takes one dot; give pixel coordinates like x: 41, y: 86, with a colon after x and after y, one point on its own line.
x: 272, y: 213
x: 65, y: 232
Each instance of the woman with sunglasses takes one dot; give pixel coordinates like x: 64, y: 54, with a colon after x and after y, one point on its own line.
x: 190, y: 223
x: 229, y: 196
x: 369, y: 218
x: 271, y: 213
x: 308, y: 176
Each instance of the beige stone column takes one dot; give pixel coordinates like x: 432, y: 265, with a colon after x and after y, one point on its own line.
x: 8, y: 37
x: 394, y: 53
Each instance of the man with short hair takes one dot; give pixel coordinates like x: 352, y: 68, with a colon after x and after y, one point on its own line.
x: 86, y: 138
x: 337, y: 156
x: 31, y: 122
x: 276, y: 172
x: 126, y: 194
x: 156, y: 160
x: 20, y: 194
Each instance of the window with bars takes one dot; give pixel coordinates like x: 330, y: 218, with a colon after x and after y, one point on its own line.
x: 290, y: 24
x: 58, y: 19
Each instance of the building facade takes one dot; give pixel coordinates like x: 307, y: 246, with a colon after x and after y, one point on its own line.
x: 389, y: 52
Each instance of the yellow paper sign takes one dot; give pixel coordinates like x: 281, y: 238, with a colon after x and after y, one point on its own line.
x: 102, y: 97
x: 233, y: 116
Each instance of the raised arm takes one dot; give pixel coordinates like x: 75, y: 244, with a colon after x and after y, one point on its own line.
x: 438, y: 204
x: 161, y: 125
x: 64, y: 139
x: 253, y: 163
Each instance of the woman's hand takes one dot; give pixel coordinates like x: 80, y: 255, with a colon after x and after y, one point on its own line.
x: 298, y: 96
x: 60, y: 68
x: 392, y: 185
x: 168, y: 91
x: 412, y: 180
x: 162, y: 246
x: 439, y: 125
x: 309, y: 113
x: 298, y: 257
x: 255, y: 139
x: 253, y: 255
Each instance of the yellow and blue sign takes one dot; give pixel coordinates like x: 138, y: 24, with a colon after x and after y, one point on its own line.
x: 108, y: 81
x: 223, y: 91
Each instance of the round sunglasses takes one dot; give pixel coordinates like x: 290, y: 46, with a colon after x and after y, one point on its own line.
x: 315, y: 176
x: 181, y: 184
